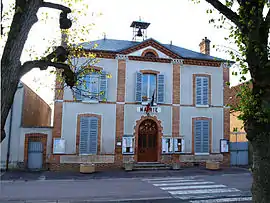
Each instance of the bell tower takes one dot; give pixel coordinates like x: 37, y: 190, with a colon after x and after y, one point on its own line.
x: 139, y: 30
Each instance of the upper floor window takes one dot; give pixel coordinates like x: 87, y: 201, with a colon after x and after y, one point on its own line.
x: 88, y: 135
x: 202, y: 90
x: 150, y: 54
x: 149, y: 85
x: 92, y: 87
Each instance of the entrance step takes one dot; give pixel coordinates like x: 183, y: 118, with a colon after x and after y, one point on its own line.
x: 151, y: 166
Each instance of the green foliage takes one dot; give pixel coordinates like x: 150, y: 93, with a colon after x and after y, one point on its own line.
x: 251, y: 50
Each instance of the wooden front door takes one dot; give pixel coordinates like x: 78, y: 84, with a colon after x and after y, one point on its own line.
x: 147, y: 141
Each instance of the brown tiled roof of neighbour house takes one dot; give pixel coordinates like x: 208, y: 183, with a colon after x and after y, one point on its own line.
x: 36, y: 112
x: 234, y: 100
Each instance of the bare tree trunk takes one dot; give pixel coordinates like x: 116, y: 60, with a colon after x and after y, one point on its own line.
x: 9, y: 81
x: 261, y: 172
x: 23, y: 20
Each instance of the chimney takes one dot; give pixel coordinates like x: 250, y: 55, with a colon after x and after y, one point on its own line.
x: 205, y: 46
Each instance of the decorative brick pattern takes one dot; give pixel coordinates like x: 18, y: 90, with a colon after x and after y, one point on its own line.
x: 119, y: 132
x: 149, y: 59
x: 226, y: 135
x: 209, y: 87
x: 150, y: 50
x: 149, y: 72
x: 153, y: 44
x: 121, y: 78
x: 176, y: 83
x: 57, y: 123
x: 35, y: 137
x: 193, y: 132
x: 175, y: 121
x: 79, y: 131
x: 202, y: 63
x: 160, y: 134
x: 226, y: 88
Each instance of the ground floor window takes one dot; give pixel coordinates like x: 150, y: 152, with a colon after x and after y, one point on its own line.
x: 88, y: 135
x: 201, y: 136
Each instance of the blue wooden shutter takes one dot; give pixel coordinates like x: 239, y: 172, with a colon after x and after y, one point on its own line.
x: 205, y: 88
x: 103, y: 86
x: 205, y: 136
x: 138, y: 90
x: 78, y: 92
x: 160, y: 88
x: 198, y: 90
x: 93, y: 135
x: 84, y: 134
x: 198, y: 135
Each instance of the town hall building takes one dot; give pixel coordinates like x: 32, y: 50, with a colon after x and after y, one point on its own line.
x: 185, y: 123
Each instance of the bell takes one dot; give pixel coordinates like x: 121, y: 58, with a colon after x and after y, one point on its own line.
x: 139, y: 34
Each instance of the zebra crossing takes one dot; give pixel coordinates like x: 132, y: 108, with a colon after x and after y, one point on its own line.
x: 198, y: 190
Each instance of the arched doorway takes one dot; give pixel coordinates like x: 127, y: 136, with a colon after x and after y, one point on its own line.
x: 148, y: 141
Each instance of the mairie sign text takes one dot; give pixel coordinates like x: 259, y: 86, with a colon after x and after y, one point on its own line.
x: 151, y: 110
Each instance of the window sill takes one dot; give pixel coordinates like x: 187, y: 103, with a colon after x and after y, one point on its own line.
x: 90, y: 101
x: 200, y: 154
x: 144, y: 103
x: 128, y: 153
x: 202, y: 106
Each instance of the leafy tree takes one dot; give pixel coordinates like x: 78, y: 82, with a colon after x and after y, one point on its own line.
x: 23, y: 14
x: 250, y: 32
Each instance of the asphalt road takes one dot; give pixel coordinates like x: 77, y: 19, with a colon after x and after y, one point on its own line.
x: 193, y: 189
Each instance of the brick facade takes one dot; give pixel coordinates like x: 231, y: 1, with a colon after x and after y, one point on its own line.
x: 120, y: 103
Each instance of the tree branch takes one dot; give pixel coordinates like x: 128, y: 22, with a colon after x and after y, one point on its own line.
x: 56, y: 6
x: 225, y: 11
x: 68, y: 74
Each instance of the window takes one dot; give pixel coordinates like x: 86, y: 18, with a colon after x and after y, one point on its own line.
x: 92, y: 86
x: 150, y: 54
x: 202, y: 90
x: 167, y: 145
x: 201, y: 136
x: 179, y: 145
x: 88, y: 135
x: 148, y: 85
x: 128, y: 145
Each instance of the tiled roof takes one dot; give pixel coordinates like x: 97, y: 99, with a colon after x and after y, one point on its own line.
x: 113, y: 45
x: 234, y: 100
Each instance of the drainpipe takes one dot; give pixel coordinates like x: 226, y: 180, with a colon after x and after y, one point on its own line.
x: 9, y: 137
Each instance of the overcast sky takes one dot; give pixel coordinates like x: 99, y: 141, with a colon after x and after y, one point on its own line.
x: 180, y: 21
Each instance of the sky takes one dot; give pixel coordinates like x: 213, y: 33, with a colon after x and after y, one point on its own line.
x: 180, y: 21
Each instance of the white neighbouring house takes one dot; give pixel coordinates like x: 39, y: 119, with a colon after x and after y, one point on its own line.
x: 186, y: 124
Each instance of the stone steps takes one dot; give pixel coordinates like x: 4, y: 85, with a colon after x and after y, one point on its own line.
x: 151, y: 166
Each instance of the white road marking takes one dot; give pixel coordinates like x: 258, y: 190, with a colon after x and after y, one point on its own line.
x: 193, y: 187
x: 168, y: 178
x: 173, y: 181
x: 206, y: 196
x: 187, y: 183
x: 204, y: 191
x: 237, y: 199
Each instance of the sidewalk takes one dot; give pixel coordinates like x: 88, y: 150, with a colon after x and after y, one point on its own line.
x: 50, y: 175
